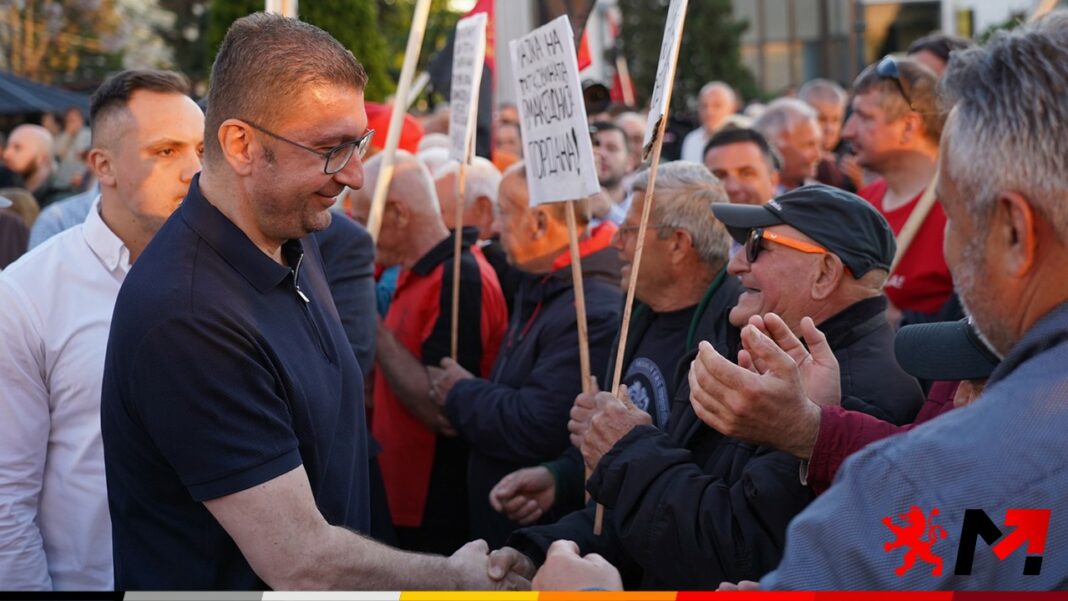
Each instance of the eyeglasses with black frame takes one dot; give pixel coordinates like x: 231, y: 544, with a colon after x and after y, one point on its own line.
x: 335, y: 159
x: 754, y: 244
x: 888, y: 69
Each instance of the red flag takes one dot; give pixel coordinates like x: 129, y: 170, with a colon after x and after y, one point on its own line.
x: 584, y: 59
x: 486, y: 6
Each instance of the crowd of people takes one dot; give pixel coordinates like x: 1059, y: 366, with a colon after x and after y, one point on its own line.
x: 849, y: 306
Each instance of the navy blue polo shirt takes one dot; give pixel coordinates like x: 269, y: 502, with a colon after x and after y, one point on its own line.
x: 224, y: 370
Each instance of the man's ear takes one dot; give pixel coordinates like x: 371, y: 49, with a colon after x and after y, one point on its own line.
x: 913, y: 127
x: 539, y: 222
x: 235, y: 140
x: 397, y: 214
x: 484, y: 213
x: 681, y: 243
x: 1013, y: 231
x: 100, y: 161
x: 830, y: 274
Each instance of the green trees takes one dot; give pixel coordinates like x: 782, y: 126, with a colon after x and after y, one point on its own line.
x: 376, y: 31
x: 710, y: 43
x: 353, y: 23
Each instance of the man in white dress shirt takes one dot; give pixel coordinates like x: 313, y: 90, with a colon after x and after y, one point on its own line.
x: 716, y: 103
x: 55, y: 315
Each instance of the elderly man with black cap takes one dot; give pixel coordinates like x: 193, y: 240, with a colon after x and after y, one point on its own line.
x: 691, y: 505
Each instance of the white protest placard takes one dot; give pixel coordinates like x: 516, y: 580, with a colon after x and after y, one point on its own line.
x: 468, y: 55
x: 665, y: 71
x: 552, y: 115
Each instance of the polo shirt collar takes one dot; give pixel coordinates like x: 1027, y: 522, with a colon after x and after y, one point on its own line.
x: 108, y: 247
x: 443, y: 251
x: 232, y: 244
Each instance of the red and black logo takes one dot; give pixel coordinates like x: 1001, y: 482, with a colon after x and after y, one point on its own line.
x: 918, y: 533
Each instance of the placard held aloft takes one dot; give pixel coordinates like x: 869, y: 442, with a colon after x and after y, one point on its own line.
x: 552, y: 116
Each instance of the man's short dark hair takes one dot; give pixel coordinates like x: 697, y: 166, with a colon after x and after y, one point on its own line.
x: 939, y: 44
x: 264, y: 65
x: 114, y: 94
x: 602, y: 126
x: 921, y: 84
x: 740, y: 135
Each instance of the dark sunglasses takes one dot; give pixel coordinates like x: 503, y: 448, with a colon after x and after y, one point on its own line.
x: 888, y: 69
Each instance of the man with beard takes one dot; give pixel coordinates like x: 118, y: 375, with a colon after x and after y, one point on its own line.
x: 29, y: 154
x: 612, y: 158
x: 232, y: 414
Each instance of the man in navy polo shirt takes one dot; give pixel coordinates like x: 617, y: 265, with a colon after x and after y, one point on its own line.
x: 232, y: 410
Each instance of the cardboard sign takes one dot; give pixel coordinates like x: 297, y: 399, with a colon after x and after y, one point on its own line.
x: 469, y: 53
x: 552, y: 116
x: 665, y: 71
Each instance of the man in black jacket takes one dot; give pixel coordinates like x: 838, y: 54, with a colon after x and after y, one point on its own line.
x: 683, y: 281
x: 518, y: 416
x: 690, y: 508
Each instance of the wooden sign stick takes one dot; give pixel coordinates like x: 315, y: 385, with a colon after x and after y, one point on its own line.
x: 580, y: 298
x: 580, y: 313
x: 458, y: 215
x: 646, y: 206
x: 396, y: 118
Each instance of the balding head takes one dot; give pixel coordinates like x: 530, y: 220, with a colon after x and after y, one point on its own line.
x: 716, y: 102
x: 411, y: 218
x: 29, y: 153
x: 481, y: 180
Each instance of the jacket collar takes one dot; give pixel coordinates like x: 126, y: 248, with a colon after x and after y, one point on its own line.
x: 443, y: 251
x: 854, y: 322
x: 233, y: 245
x: 599, y: 238
x: 1046, y: 333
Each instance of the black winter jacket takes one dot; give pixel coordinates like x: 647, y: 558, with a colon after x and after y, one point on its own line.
x: 690, y: 508
x: 518, y: 417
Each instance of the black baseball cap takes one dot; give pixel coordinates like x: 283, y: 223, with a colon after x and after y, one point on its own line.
x: 843, y: 223
x: 947, y: 350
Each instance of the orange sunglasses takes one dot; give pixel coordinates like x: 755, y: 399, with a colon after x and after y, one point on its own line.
x: 757, y: 235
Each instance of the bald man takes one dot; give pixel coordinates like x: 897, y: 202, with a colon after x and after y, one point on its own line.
x: 423, y: 464
x: 480, y: 194
x: 716, y: 103
x: 29, y: 154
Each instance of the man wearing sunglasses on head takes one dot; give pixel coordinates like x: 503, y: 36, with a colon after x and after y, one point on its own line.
x: 894, y: 129
x: 232, y: 413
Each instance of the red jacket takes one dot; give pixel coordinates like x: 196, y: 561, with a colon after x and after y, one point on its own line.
x: 844, y: 432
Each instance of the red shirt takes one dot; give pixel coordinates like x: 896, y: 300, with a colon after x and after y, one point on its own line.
x: 921, y: 282
x: 421, y: 319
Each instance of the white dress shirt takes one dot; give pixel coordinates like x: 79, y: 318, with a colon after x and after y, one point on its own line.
x: 693, y: 146
x: 55, y: 315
